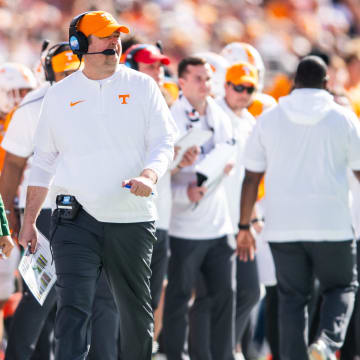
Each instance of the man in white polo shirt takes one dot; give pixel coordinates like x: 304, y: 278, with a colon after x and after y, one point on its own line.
x: 200, y: 229
x: 241, y: 81
x: 304, y: 146
x: 25, y: 340
x: 107, y: 187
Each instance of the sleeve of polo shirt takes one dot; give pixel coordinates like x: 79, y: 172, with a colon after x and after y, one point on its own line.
x: 18, y: 138
x: 354, y: 143
x: 46, y: 152
x: 254, y: 153
x: 161, y: 132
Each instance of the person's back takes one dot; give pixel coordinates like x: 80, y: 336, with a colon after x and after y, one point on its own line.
x: 307, y: 134
x: 305, y: 145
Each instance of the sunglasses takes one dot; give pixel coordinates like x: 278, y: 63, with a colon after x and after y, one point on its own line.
x: 241, y: 88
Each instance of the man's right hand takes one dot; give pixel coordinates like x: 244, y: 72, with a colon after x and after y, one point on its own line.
x: 196, y: 193
x: 189, y: 157
x: 246, y: 245
x: 28, y: 236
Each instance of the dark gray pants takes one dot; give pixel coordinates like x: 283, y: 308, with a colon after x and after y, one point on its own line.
x: 32, y: 325
x: 30, y: 318
x: 159, y: 264
x: 296, y: 263
x: 215, y: 261
x: 247, y: 296
x: 351, y: 346
x: 82, y: 247
x: 105, y: 323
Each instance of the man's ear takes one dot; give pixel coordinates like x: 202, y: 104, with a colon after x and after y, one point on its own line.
x: 326, y: 82
x: 181, y: 82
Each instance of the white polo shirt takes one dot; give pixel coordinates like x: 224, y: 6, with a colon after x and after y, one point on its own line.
x: 241, y: 128
x: 210, y: 218
x: 305, y: 145
x: 20, y: 135
x: 105, y: 132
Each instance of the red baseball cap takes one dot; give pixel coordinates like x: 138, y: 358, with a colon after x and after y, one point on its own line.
x: 149, y: 55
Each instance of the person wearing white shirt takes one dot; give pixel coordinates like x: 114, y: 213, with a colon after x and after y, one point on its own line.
x: 201, y: 241
x: 110, y: 186
x: 26, y: 340
x: 304, y: 146
x: 241, y: 81
x: 351, y: 347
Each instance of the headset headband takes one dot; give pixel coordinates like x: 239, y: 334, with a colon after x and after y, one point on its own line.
x: 54, y: 50
x: 77, y: 40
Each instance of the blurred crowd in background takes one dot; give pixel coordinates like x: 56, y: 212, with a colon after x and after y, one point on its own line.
x: 281, y: 30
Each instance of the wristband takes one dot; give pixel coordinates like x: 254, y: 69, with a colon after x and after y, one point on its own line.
x: 7, y: 212
x: 244, y: 226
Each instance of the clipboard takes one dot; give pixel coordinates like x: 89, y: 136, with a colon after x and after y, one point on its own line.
x: 194, y: 137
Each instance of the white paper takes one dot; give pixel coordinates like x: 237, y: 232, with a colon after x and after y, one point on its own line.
x: 213, y: 165
x: 38, y: 270
x: 194, y: 137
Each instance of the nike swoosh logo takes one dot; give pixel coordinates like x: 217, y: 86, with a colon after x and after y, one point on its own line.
x: 76, y: 102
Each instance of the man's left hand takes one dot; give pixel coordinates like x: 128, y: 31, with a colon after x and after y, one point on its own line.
x: 140, y: 186
x: 246, y: 245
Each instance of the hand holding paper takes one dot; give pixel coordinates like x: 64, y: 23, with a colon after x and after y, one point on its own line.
x: 193, y: 138
x: 228, y: 168
x: 189, y: 157
x: 28, y: 236
x: 38, y: 269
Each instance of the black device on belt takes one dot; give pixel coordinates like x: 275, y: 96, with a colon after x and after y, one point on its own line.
x: 68, y: 207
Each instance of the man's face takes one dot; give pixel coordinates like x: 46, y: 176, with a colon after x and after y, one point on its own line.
x: 238, y: 97
x: 97, y: 44
x: 196, y: 82
x: 155, y: 70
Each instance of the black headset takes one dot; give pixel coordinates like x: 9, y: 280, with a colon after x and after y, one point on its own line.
x: 47, y: 65
x: 78, y: 42
x: 130, y: 61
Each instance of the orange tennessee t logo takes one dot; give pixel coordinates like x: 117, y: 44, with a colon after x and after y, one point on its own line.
x: 73, y: 103
x: 123, y: 98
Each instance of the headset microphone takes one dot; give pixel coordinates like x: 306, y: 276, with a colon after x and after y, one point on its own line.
x: 44, y: 46
x: 105, y: 52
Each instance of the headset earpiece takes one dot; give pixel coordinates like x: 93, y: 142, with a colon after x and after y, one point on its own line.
x: 78, y: 42
x: 54, y: 50
x: 130, y: 61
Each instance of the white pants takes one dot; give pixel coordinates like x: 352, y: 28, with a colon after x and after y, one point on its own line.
x: 7, y: 273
